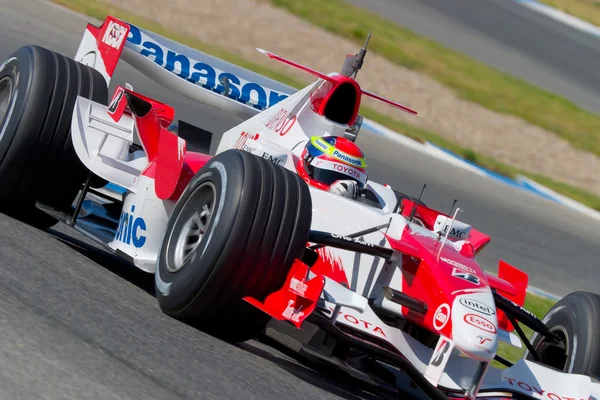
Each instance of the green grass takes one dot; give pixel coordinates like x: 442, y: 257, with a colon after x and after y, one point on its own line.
x: 574, y: 193
x: 470, y: 79
x: 537, y: 305
x: 587, y: 10
x: 99, y: 10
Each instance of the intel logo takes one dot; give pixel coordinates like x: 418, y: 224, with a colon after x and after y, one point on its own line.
x: 477, y: 306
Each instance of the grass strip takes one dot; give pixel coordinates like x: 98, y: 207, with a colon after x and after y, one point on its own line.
x: 99, y: 10
x: 535, y: 304
x: 587, y: 10
x: 470, y: 79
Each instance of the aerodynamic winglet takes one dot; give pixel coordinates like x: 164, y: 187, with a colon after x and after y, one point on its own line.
x: 333, y: 80
x: 295, y: 65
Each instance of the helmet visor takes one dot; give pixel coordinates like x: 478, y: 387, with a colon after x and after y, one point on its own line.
x: 328, y: 172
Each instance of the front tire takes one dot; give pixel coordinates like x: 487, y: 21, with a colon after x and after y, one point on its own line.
x: 575, y: 319
x: 235, y: 232
x: 38, y: 89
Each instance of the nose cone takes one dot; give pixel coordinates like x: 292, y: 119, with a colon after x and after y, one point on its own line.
x: 475, y: 325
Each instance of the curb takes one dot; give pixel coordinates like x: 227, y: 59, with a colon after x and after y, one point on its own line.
x: 543, y: 294
x: 520, y: 182
x: 561, y: 16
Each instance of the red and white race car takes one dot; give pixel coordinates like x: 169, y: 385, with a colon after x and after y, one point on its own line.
x: 245, y: 241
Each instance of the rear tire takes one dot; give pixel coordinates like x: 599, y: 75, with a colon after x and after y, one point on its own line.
x: 38, y: 89
x: 575, y: 318
x: 256, y: 219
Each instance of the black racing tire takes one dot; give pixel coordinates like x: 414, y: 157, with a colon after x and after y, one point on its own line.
x: 37, y: 159
x: 258, y: 224
x: 576, y: 319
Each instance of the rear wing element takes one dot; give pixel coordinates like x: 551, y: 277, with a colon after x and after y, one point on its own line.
x: 201, y: 77
x: 102, y: 137
x: 101, y: 48
x: 331, y: 79
x: 102, y: 144
x: 209, y: 80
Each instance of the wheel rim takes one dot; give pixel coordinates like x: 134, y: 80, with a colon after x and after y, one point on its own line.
x: 5, y: 96
x: 191, y: 225
x: 554, y: 354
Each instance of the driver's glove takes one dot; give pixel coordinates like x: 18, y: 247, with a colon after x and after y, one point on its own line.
x: 345, y: 188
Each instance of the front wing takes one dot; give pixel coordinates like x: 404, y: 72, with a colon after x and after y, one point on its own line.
x: 350, y: 318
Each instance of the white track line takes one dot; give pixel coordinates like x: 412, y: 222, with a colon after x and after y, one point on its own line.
x: 561, y: 16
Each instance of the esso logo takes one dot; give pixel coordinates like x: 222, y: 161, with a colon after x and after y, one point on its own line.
x: 441, y: 316
x: 480, y: 323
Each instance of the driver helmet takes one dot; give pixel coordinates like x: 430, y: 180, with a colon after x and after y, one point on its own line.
x: 325, y: 160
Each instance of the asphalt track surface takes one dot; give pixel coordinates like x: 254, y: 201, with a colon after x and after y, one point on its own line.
x: 77, y: 323
x: 510, y: 37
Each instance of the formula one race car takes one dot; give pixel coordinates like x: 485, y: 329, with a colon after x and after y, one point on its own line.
x: 279, y: 232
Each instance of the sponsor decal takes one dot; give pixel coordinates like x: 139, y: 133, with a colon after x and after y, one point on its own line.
x: 479, y: 322
x: 347, y: 158
x: 117, y: 104
x: 291, y: 313
x: 131, y: 229
x: 273, y: 159
x: 114, y: 35
x: 343, y: 168
x: 531, y: 388
x: 440, y: 352
x: 532, y: 315
x: 347, y: 170
x: 456, y: 233
x: 241, y: 142
x: 474, y: 279
x: 115, y: 100
x: 282, y: 122
x: 356, y: 321
x: 458, y: 265
x: 298, y: 286
x: 477, y: 306
x: 439, y: 360
x: 483, y: 348
x: 349, y: 239
x: 330, y: 265
x: 249, y: 149
x: 89, y: 59
x: 202, y: 73
x: 483, y: 339
x: 459, y: 230
x: 321, y: 145
x: 441, y: 316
